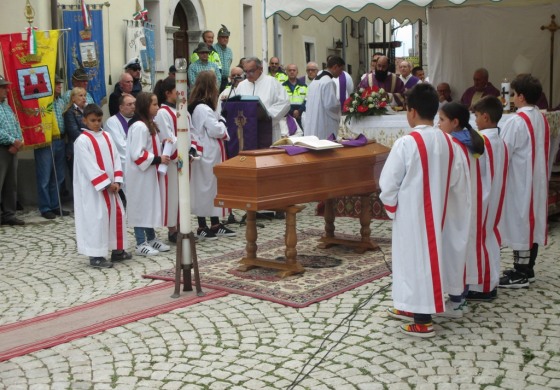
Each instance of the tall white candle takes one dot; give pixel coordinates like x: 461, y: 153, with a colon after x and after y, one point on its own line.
x: 183, y: 147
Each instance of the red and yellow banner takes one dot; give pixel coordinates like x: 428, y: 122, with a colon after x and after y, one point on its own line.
x: 33, y: 80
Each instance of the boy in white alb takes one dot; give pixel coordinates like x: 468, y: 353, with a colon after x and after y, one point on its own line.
x: 488, y: 112
x: 523, y: 224
x: 98, y: 209
x: 421, y: 183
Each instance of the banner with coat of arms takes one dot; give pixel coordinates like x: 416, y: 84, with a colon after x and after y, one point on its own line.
x: 140, y: 43
x: 32, y: 74
x: 85, y: 49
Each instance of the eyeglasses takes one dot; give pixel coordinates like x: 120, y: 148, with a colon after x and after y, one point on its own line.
x: 274, y: 63
x: 251, y: 71
x: 311, y: 70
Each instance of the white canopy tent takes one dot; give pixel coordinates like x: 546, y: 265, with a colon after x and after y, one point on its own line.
x: 463, y: 35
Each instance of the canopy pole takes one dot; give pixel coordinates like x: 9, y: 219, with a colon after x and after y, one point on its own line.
x: 264, y: 36
x: 552, y: 27
x: 420, y: 41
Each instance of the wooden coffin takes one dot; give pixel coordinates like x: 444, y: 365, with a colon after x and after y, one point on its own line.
x: 269, y: 178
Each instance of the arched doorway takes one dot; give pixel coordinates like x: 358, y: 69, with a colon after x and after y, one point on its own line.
x: 186, y: 17
x: 180, y: 38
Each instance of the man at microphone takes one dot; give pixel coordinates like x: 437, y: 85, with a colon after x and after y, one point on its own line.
x: 236, y: 75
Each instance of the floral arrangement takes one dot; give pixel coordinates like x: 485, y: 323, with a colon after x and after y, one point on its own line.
x: 365, y: 102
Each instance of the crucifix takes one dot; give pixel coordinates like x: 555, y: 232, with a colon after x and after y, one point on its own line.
x: 552, y: 27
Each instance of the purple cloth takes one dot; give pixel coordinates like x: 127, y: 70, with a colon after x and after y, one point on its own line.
x: 412, y: 81
x: 293, y: 150
x: 123, y: 121
x: 466, y: 99
x: 386, y: 85
x: 360, y: 140
x: 342, y: 88
x: 246, y: 111
x: 292, y: 125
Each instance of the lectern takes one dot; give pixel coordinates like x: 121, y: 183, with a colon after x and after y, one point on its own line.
x: 248, y: 124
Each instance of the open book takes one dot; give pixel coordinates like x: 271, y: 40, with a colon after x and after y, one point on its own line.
x: 307, y: 141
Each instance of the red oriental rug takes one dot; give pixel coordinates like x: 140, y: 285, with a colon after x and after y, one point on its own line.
x: 328, y: 272
x: 46, y: 331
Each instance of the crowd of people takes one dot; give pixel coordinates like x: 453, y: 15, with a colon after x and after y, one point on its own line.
x: 456, y: 193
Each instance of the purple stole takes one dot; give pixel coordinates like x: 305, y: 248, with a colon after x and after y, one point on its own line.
x: 342, y: 88
x: 123, y: 121
x: 412, y: 81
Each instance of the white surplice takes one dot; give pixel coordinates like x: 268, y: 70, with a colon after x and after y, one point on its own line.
x: 524, y: 216
x: 423, y: 184
x: 114, y: 127
x: 99, y: 214
x: 322, y: 113
x: 143, y: 192
x: 210, y: 133
x: 273, y: 96
x: 494, y: 167
x: 166, y: 120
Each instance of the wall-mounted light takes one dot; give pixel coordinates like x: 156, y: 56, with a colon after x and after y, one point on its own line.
x: 337, y: 44
x: 295, y: 26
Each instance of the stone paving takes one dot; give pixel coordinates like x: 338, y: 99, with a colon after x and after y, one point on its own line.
x: 237, y: 342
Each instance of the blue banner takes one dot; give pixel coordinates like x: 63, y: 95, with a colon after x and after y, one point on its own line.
x: 151, y: 51
x: 85, y: 49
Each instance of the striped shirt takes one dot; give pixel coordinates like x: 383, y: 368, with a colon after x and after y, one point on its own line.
x: 59, y: 107
x: 198, y: 66
x: 9, y: 126
x: 226, y: 58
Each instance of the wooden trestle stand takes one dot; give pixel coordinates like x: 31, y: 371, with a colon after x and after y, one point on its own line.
x: 270, y: 179
x: 186, y: 268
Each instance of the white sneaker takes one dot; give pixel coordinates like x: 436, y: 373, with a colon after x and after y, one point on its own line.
x: 159, y: 246
x: 145, y: 249
x: 450, y: 311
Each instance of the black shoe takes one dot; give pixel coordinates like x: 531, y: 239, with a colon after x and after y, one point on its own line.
x: 120, y: 255
x: 65, y: 213
x: 530, y: 274
x: 205, y: 234
x: 280, y: 215
x: 13, y: 222
x: 100, y: 262
x: 221, y: 230
x: 481, y: 296
x: 48, y: 215
x: 514, y: 279
x: 172, y: 237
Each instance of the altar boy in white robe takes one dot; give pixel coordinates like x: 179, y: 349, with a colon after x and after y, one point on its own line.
x: 322, y: 113
x: 98, y: 209
x: 527, y: 137
x: 421, y: 184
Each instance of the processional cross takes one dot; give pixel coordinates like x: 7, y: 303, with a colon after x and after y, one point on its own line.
x: 552, y: 27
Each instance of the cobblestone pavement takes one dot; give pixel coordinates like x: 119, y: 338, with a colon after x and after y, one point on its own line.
x: 238, y: 342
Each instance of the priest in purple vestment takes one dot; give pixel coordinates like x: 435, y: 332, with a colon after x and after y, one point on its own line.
x: 482, y: 87
x: 382, y: 78
x: 406, y: 75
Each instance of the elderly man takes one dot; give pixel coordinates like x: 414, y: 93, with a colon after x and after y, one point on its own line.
x: 50, y: 164
x: 213, y: 56
x: 225, y: 53
x: 236, y: 76
x: 271, y: 93
x: 134, y: 68
x: 406, y: 76
x: 444, y: 93
x: 322, y: 115
x: 203, y: 63
x: 125, y: 85
x: 382, y: 78
x: 311, y: 71
x: 482, y: 87
x: 276, y: 71
x: 11, y: 141
x: 297, y: 92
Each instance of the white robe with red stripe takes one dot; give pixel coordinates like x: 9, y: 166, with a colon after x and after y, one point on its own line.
x: 421, y: 183
x: 525, y: 206
x: 143, y: 183
x: 472, y: 274
x: 100, y: 215
x: 210, y: 134
x: 494, y: 166
x: 166, y: 120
